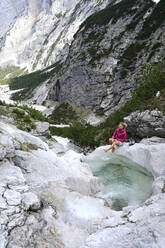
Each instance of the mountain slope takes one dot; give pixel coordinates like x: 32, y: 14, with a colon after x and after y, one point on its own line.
x: 106, y: 56
x: 41, y: 31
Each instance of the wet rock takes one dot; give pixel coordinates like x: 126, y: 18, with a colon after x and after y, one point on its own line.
x: 158, y: 185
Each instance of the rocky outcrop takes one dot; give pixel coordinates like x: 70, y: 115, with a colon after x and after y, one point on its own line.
x: 137, y: 226
x: 46, y: 199
x: 143, y: 227
x: 50, y: 27
x: 146, y: 124
x: 106, y: 56
x: 48, y: 196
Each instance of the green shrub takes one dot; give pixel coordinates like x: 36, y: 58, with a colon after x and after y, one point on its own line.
x: 124, y: 73
x: 63, y: 114
x: 35, y: 114
x: 132, y: 50
x: 27, y: 119
x: 19, y: 112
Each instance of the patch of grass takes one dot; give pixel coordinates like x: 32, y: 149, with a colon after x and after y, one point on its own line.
x: 34, y: 114
x: 9, y: 72
x: 26, y: 147
x: 19, y: 112
x: 23, y: 116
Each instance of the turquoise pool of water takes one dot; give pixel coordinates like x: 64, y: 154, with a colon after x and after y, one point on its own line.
x: 122, y: 180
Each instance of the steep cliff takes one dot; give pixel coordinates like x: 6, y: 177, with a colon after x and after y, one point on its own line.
x: 106, y: 56
x: 37, y: 33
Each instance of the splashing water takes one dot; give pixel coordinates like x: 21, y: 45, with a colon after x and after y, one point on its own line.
x: 123, y: 181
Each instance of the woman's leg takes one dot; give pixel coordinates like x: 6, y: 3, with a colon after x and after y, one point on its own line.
x: 111, y: 141
x: 116, y: 142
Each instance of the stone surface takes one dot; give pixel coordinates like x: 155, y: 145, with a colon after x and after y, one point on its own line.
x: 31, y: 201
x: 42, y: 128
x: 40, y: 47
x: 151, y: 156
x: 48, y: 197
x: 101, y: 70
x: 146, y: 124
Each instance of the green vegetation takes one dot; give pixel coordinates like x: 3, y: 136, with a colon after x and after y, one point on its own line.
x: 64, y: 114
x: 9, y: 72
x: 124, y: 73
x: 26, y: 147
x: 153, y: 22
x: 23, y: 116
x: 94, y: 36
x: 155, y: 47
x: 132, y: 51
x: 30, y: 81
x: 67, y: 113
x: 139, y: 16
x: 152, y: 80
x: 111, y: 12
x: 131, y: 54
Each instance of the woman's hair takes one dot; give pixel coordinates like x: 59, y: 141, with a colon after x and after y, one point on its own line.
x: 123, y: 124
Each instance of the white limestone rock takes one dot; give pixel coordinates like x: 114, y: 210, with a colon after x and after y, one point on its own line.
x: 33, y: 46
x: 12, y: 197
x: 42, y: 128
x: 31, y: 201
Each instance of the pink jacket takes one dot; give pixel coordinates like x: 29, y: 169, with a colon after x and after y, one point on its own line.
x: 120, y: 135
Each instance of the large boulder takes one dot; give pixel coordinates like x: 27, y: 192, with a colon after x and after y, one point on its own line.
x: 42, y: 128
x: 146, y: 124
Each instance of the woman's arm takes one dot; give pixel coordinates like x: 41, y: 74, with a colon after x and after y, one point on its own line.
x: 114, y: 135
x: 124, y: 136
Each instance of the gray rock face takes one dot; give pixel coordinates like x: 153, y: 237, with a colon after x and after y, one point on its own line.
x: 79, y: 90
x: 146, y: 124
x: 105, y: 59
x: 41, y: 47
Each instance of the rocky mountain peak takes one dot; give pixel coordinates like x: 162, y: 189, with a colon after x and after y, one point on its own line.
x: 35, y: 47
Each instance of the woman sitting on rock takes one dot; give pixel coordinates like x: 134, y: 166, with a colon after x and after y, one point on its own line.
x: 118, y: 137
